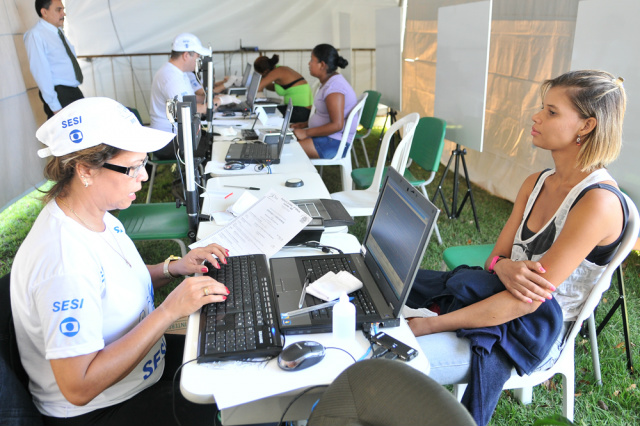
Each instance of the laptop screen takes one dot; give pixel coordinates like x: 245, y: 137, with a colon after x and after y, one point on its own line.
x: 285, y: 127
x: 396, y: 238
x: 253, y: 88
x: 245, y: 76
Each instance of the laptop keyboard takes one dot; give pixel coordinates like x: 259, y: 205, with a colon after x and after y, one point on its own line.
x: 241, y: 107
x: 249, y: 134
x: 256, y: 150
x: 244, y: 326
x: 319, y: 267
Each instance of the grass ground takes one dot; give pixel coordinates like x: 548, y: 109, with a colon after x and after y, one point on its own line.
x: 616, y: 402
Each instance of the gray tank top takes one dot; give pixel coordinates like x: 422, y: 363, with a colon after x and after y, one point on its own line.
x: 572, y: 293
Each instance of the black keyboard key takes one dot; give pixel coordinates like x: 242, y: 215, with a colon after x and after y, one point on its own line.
x: 244, y: 326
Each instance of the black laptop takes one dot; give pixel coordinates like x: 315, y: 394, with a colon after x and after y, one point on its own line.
x: 244, y: 106
x: 393, y: 247
x: 253, y: 153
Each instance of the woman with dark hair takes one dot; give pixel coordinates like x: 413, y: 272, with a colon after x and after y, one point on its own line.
x: 321, y: 135
x: 287, y: 83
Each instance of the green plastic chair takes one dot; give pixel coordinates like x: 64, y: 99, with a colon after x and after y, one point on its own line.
x: 154, y: 167
x: 472, y: 255
x: 426, y: 151
x: 158, y: 221
x: 368, y: 117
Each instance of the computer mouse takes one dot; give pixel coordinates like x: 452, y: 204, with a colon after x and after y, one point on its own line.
x: 300, y: 355
x: 234, y: 165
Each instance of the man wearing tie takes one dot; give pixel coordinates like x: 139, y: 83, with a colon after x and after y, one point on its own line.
x: 52, y: 59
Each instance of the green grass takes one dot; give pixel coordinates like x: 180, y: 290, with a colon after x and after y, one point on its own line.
x: 617, y: 402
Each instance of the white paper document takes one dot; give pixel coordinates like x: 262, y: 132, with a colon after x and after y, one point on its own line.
x: 264, y: 228
x: 331, y: 285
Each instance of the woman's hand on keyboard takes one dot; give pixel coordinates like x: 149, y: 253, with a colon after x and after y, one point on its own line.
x: 192, y: 294
x: 192, y: 262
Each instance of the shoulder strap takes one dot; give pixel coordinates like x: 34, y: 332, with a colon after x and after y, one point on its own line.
x: 623, y: 202
x: 286, y: 86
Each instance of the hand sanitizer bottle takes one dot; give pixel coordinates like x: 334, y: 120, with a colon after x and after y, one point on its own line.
x: 344, y: 320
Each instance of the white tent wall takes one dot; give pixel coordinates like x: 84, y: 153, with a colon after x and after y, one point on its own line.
x: 270, y: 25
x: 148, y: 28
x: 531, y: 40
x: 20, y: 108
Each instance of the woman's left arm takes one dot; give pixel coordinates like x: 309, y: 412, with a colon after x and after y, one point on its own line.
x: 595, y: 220
x: 335, y: 106
x: 190, y: 264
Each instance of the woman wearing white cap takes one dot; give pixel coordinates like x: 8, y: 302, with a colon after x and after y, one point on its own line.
x: 82, y: 298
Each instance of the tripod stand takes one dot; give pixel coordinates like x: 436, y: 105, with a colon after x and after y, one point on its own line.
x: 391, y: 113
x: 458, y: 154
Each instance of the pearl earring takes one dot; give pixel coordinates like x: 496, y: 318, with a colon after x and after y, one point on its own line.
x: 84, y: 181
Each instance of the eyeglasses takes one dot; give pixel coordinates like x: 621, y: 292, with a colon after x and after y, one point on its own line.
x: 132, y: 172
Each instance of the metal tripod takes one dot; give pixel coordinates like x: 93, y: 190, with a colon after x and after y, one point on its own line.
x: 454, y: 213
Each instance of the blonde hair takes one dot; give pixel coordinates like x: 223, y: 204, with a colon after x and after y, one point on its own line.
x: 600, y: 95
x: 61, y: 170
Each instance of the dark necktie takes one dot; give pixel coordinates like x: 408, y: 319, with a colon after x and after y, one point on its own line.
x: 74, y: 61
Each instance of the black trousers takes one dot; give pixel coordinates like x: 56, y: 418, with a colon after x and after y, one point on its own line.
x: 154, y: 405
x: 298, y: 114
x: 66, y: 95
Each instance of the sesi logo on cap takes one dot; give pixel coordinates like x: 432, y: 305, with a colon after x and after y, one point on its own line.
x: 76, y: 136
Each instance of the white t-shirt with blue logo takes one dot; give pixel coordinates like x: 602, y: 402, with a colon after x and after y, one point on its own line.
x: 72, y: 293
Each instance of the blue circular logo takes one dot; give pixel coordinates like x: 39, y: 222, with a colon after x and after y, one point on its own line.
x: 69, y: 327
x: 76, y: 136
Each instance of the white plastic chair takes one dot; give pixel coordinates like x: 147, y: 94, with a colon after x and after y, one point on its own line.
x: 338, y: 159
x: 523, y: 386
x: 361, y: 202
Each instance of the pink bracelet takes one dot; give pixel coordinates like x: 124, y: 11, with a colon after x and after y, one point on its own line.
x: 494, y: 260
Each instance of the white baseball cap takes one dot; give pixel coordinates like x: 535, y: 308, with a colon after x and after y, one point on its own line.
x: 187, y: 42
x: 89, y: 122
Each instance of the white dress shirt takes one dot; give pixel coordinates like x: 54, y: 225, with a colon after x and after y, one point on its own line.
x: 49, y: 62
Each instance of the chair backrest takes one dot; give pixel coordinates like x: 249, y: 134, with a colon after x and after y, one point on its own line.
x: 314, y: 89
x: 17, y: 406
x: 370, y: 110
x: 628, y: 240
x: 377, y: 392
x: 353, y: 115
x: 401, y: 155
x: 426, y: 150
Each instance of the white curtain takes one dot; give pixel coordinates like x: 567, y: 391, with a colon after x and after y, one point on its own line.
x: 531, y: 40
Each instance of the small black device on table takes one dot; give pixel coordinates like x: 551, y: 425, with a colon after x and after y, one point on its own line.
x: 392, y: 346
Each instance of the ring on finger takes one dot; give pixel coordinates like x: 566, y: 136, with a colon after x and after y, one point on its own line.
x: 206, y: 291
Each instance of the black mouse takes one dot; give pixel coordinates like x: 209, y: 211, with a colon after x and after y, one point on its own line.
x: 234, y: 165
x: 300, y: 355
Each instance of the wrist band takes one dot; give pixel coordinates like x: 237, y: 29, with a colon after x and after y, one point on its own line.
x: 495, y: 260
x: 165, y: 267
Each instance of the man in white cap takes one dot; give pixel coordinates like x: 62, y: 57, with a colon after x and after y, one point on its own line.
x: 173, y: 79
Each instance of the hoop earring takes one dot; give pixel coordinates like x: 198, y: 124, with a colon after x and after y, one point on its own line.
x: 578, y: 141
